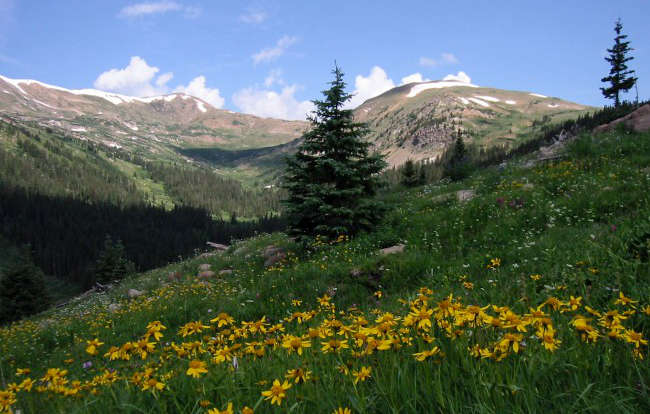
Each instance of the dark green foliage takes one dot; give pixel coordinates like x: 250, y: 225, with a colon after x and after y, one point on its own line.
x: 412, y: 176
x: 332, y: 179
x: 67, y: 234
x: 457, y: 166
x: 22, y: 290
x: 202, y: 188
x: 112, y: 263
x: 620, y: 78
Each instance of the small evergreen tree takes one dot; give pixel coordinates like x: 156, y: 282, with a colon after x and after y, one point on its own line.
x: 620, y: 78
x: 112, y: 263
x: 457, y: 165
x: 22, y: 289
x: 410, y: 175
x: 332, y: 179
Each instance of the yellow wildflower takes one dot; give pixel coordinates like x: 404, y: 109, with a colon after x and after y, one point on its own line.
x: 153, y: 385
x: 92, y: 346
x: 625, y: 301
x: 421, y: 356
x: 635, y: 338
x: 361, y: 375
x: 228, y: 410
x: 277, y: 392
x: 334, y: 345
x: 295, y: 344
x: 223, y: 319
x: 196, y: 368
x: 298, y: 375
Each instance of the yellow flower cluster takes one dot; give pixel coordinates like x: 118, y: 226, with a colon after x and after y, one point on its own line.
x: 351, y: 337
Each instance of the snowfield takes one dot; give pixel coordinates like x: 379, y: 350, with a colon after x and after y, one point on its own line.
x: 480, y: 102
x: 488, y: 98
x: 437, y: 85
x: 114, y: 98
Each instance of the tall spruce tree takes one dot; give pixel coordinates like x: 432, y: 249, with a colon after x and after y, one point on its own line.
x: 332, y: 179
x: 620, y: 78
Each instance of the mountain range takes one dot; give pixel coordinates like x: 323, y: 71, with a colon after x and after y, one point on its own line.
x: 413, y: 121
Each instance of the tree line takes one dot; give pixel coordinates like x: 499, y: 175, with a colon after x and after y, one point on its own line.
x: 67, y: 235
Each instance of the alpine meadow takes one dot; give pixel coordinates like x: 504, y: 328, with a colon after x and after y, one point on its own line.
x: 311, y: 207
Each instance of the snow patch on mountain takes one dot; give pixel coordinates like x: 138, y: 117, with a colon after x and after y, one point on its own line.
x: 480, y: 102
x: 511, y: 102
x: 114, y: 98
x: 463, y: 100
x: 538, y: 95
x: 437, y: 85
x: 488, y: 98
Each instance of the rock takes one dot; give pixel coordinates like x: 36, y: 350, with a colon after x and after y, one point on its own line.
x: 278, y: 256
x: 638, y: 121
x: 442, y: 197
x: 270, y: 251
x: 205, y: 275
x: 464, y: 195
x: 217, y: 246
x: 273, y: 254
x: 398, y: 248
x: 174, y: 276
x: 114, y: 307
x: 134, y: 293
x: 205, y: 266
x: 528, y: 186
x: 240, y: 250
x: 225, y: 272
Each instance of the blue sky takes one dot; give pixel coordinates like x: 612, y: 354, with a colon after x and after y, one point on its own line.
x: 271, y: 58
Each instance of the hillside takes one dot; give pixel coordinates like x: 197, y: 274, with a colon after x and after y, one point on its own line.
x: 419, y: 120
x: 527, y: 294
x: 157, y: 128
x: 415, y: 121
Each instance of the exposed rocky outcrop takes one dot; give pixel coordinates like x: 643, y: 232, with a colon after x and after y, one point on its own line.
x: 638, y: 121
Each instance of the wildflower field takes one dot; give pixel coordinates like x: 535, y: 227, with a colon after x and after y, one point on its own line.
x: 534, y: 296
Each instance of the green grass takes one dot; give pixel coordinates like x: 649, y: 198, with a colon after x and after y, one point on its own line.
x: 581, y: 224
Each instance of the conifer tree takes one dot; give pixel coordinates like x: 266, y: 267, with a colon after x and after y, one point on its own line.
x: 22, y: 289
x: 456, y: 167
x: 410, y: 175
x: 620, y: 78
x: 332, y: 179
x: 112, y: 263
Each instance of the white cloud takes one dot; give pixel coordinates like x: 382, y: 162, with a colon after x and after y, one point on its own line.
x: 272, y: 104
x: 272, y: 53
x: 274, y: 77
x: 163, y: 79
x: 253, y: 17
x: 139, y: 79
x: 414, y: 77
x: 444, y: 59
x: 133, y: 80
x: 159, y: 7
x: 197, y: 88
x: 460, y: 77
x: 376, y: 83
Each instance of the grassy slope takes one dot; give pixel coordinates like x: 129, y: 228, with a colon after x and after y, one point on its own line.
x: 571, y: 222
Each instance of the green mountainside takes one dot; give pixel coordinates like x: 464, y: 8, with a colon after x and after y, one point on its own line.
x: 419, y: 120
x: 521, y: 288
